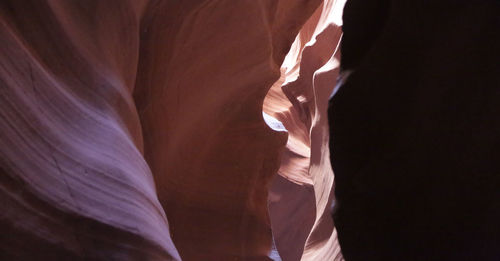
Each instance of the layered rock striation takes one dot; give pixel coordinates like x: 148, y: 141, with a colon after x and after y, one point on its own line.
x: 302, y: 193
x: 74, y: 183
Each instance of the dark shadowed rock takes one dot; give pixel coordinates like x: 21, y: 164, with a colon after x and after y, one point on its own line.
x: 416, y: 131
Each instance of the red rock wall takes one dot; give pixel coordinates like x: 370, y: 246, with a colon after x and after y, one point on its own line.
x: 204, y: 71
x: 115, y: 115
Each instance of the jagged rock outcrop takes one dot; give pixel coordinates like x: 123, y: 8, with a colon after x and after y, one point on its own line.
x: 301, y: 195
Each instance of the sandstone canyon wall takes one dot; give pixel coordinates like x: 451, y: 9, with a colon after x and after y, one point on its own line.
x: 302, y: 193
x: 74, y: 183
x: 118, y: 115
x: 207, y: 68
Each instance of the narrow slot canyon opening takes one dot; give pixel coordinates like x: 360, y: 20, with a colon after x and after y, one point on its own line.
x: 301, y: 194
x: 207, y: 130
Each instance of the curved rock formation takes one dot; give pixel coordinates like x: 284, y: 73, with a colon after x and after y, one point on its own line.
x: 301, y: 196
x: 204, y: 71
x: 92, y: 90
x: 74, y: 184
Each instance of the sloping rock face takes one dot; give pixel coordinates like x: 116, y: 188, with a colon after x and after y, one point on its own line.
x: 301, y: 195
x: 115, y: 115
x: 204, y: 70
x: 74, y: 183
x: 415, y: 131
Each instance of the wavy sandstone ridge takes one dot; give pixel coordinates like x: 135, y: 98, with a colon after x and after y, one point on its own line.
x: 115, y: 115
x: 303, y: 191
x: 74, y: 183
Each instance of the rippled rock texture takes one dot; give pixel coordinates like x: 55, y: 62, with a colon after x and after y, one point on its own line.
x: 116, y: 115
x: 301, y: 195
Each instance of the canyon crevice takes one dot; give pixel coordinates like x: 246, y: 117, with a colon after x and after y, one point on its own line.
x: 117, y: 116
x: 207, y: 130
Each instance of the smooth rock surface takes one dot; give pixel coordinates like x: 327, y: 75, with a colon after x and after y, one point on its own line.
x: 204, y: 70
x: 73, y: 181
